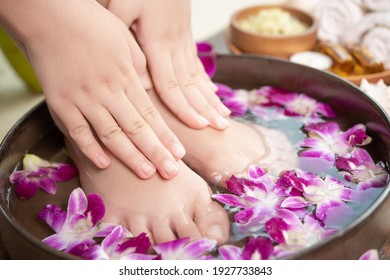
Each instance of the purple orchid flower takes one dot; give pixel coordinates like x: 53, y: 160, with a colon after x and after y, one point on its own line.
x: 293, y: 235
x: 183, y: 249
x: 118, y: 245
x: 359, y: 167
x: 208, y: 57
x: 79, y: 225
x: 326, y: 141
x: 323, y: 193
x: 38, y: 173
x: 255, y: 198
x: 299, y: 104
x: 259, y: 248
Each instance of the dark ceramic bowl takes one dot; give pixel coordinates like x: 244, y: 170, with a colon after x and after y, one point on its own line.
x: 36, y: 133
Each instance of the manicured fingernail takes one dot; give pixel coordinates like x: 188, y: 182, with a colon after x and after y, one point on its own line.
x: 147, y: 169
x: 215, y: 232
x: 223, y: 110
x: 177, y: 150
x: 103, y: 161
x: 170, y: 167
x: 222, y: 122
x: 203, y: 121
x: 214, y: 86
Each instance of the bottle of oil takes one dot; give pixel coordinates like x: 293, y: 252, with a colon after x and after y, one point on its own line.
x: 343, y: 62
x: 366, y: 60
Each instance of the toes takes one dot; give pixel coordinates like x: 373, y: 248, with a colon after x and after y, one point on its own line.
x: 138, y: 224
x: 162, y: 231
x: 212, y: 222
x: 185, y: 226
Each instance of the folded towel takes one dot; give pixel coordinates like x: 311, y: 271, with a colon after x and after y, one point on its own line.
x: 379, y: 91
x: 354, y: 34
x: 334, y: 16
x: 376, y: 5
x: 377, y: 42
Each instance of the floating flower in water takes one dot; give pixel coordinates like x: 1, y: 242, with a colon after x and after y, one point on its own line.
x: 118, y: 245
x: 293, y: 235
x: 359, y: 167
x: 297, y: 104
x: 39, y: 173
x: 256, y: 200
x: 183, y: 249
x: 259, y: 248
x: 324, y: 194
x: 208, y: 57
x: 326, y: 140
x: 80, y: 224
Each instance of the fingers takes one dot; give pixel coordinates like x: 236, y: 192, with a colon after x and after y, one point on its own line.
x: 181, y: 84
x: 127, y: 132
x: 74, y: 126
x: 202, y: 99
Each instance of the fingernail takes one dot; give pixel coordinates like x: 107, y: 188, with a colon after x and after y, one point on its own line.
x: 170, y: 167
x: 147, y: 169
x: 202, y: 120
x: 177, y: 150
x: 222, y: 122
x: 214, y: 86
x: 223, y: 110
x: 215, y: 232
x: 103, y: 161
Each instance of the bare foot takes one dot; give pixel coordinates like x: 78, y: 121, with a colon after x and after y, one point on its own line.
x: 216, y: 155
x: 164, y: 209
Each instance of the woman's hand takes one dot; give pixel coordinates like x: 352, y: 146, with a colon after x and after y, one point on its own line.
x: 163, y: 31
x: 94, y: 77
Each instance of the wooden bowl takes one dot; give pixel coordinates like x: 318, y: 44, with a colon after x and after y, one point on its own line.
x: 36, y: 133
x: 273, y: 45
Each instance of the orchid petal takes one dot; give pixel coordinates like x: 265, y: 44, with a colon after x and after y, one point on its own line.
x: 259, y: 248
x: 370, y: 255
x: 200, y: 247
x: 204, y: 47
x: 295, y: 202
x: 63, y: 172
x: 230, y: 252
x: 229, y: 199
x: 96, y: 208
x: 77, y: 202
x: 275, y: 228
x: 54, y: 216
x: 24, y: 188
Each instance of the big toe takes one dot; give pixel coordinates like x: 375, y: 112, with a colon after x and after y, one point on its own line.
x: 213, y: 222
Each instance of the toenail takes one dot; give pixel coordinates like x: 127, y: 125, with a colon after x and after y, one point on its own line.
x: 215, y: 232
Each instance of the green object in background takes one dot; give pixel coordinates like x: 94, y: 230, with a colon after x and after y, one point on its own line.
x: 19, y: 63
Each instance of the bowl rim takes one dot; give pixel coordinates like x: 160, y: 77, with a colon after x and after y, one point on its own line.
x: 312, y: 28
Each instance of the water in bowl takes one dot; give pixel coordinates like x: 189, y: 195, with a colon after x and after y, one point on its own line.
x: 26, y: 212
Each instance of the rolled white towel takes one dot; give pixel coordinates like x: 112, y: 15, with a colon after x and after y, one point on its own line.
x: 354, y: 34
x: 377, y: 42
x: 379, y: 91
x: 376, y: 5
x: 335, y: 16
